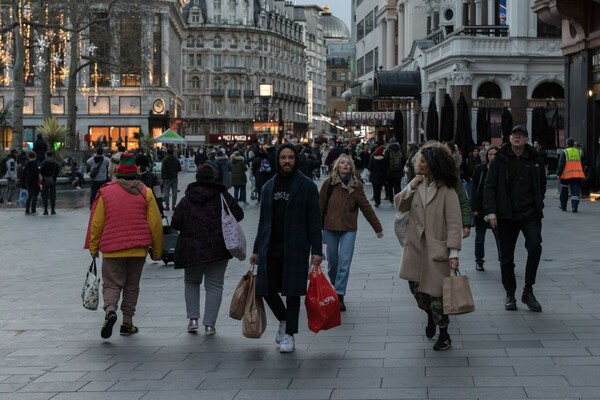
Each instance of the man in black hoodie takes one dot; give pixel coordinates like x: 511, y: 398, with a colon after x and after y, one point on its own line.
x: 289, y: 231
x: 513, y: 201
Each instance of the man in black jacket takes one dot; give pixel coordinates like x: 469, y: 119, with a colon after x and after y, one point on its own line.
x: 170, y: 169
x: 513, y: 201
x: 289, y: 230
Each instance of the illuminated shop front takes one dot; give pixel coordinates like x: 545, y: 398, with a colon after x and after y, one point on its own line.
x: 108, y: 136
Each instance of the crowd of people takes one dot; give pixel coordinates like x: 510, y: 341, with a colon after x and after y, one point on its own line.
x: 443, y: 192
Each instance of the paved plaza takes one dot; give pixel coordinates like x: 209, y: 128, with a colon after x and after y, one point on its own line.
x: 50, y: 346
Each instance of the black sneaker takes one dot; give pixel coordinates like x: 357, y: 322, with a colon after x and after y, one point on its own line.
x: 443, y: 343
x: 529, y: 299
x: 127, y: 330
x: 479, y: 266
x: 430, y: 331
x: 107, y: 326
x: 510, y: 303
x: 341, y: 300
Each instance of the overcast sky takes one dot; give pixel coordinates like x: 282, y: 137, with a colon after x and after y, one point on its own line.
x: 339, y: 8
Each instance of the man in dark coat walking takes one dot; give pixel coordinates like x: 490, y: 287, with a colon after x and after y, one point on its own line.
x: 289, y: 231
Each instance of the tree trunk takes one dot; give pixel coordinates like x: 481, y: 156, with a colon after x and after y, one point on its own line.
x: 19, y: 66
x: 72, y: 93
x: 45, y: 82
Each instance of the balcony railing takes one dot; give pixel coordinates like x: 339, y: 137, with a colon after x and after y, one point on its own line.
x: 248, y: 93
x: 217, y: 92
x: 235, y: 69
x: 481, y: 30
x: 233, y: 93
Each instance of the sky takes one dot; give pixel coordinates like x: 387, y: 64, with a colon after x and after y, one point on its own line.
x: 339, y: 8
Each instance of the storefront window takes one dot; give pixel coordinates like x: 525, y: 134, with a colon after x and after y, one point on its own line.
x: 108, y: 136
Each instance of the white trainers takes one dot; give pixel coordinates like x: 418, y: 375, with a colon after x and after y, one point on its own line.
x: 192, y: 325
x: 280, y: 332
x: 287, y: 344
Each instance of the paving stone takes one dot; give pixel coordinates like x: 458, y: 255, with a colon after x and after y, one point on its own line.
x: 288, y: 394
x: 377, y: 394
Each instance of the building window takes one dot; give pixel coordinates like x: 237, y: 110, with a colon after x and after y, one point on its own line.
x: 334, y: 91
x: 198, y: 60
x: 369, y: 23
x: 500, y: 12
x: 376, y: 57
x: 195, y: 82
x: 190, y: 41
x: 191, y: 59
x: 218, y: 84
x: 195, y: 105
x: 217, y: 5
x: 216, y: 107
x: 195, y: 18
x: 234, y: 43
x: 369, y: 61
x: 217, y: 42
x: 248, y: 44
x: 333, y: 75
x: 200, y: 42
x: 360, y: 66
x: 342, y: 76
x: 232, y: 61
x: 233, y: 109
x: 233, y: 85
x: 217, y: 61
x: 360, y: 30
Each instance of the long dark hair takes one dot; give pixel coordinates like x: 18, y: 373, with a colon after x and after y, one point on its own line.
x: 441, y: 164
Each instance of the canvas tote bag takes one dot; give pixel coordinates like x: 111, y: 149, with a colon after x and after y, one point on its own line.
x: 458, y: 298
x: 235, y: 240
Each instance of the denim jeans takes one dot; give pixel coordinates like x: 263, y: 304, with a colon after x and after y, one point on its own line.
x: 214, y: 276
x: 508, y: 233
x: 49, y: 193
x: 239, y: 193
x: 340, y: 249
x: 481, y: 227
x: 574, y: 185
x: 170, y: 185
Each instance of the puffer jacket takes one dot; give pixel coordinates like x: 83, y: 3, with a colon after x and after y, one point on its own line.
x: 197, y: 217
x: 238, y: 171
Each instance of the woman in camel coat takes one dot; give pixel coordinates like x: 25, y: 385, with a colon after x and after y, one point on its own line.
x: 433, y: 234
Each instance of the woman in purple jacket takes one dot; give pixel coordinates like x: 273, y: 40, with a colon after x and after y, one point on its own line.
x: 200, y: 247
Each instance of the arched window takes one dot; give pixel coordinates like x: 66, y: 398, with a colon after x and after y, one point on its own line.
x: 233, y: 84
x: 248, y: 43
x: 195, y: 82
x: 234, y: 42
x: 190, y: 41
x: 489, y: 90
x: 548, y: 90
x: 200, y: 41
x: 217, y: 83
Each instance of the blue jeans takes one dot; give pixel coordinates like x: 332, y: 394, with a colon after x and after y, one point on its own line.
x: 239, y: 193
x: 213, y: 274
x: 340, y: 249
x: 481, y: 226
x: 170, y: 185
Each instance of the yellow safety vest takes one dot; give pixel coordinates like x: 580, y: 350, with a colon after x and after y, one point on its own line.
x: 573, y: 168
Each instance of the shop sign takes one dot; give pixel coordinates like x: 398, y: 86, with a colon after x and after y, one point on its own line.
x: 367, y: 117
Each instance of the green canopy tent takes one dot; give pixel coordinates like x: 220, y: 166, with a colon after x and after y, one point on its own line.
x: 170, y: 137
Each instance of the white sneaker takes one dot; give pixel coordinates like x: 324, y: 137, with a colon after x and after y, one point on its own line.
x: 280, y: 332
x: 287, y: 344
x: 192, y: 325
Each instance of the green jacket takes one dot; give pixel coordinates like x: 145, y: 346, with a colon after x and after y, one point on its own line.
x: 465, y: 207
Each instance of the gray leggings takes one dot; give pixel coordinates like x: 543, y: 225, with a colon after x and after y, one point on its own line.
x: 214, y: 275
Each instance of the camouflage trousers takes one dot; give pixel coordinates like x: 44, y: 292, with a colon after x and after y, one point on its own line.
x: 429, y: 304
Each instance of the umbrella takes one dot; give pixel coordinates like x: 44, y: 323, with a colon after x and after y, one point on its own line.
x: 464, y: 135
x: 447, y: 120
x: 170, y: 137
x: 398, y: 126
x: 433, y: 123
x: 483, y: 125
x: 506, y: 124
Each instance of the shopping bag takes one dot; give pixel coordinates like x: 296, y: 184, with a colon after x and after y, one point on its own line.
x: 322, y: 304
x: 457, y: 296
x: 91, y: 288
x: 235, y: 240
x: 240, y: 295
x: 254, y: 321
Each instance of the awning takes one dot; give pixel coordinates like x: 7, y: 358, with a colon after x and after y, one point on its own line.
x: 397, y: 83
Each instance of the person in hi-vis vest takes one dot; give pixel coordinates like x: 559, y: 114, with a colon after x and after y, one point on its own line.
x: 571, y: 174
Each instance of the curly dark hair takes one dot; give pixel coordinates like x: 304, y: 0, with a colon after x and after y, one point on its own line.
x: 441, y: 164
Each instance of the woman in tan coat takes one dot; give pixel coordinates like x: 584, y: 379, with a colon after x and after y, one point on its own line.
x: 341, y: 196
x: 433, y: 234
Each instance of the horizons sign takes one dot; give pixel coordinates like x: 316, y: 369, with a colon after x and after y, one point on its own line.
x: 367, y: 118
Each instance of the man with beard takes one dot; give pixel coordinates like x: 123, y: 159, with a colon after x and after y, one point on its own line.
x: 289, y: 231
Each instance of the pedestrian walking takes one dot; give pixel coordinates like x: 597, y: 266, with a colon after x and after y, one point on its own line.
x: 31, y: 178
x: 224, y: 166
x: 11, y: 175
x: 513, y: 201
x: 49, y: 173
x: 433, y: 235
x: 289, y: 232
x: 123, y: 223
x: 170, y: 169
x: 150, y: 179
x: 395, y: 169
x: 571, y: 175
x: 201, y: 250
x: 239, y: 180
x: 98, y: 167
x: 476, y: 199
x: 377, y: 173
x: 263, y: 169
x: 340, y: 198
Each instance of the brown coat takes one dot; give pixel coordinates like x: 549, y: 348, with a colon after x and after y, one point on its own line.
x: 434, y: 227
x: 342, y: 208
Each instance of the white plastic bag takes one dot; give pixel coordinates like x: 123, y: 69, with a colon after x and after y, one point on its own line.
x: 91, y: 288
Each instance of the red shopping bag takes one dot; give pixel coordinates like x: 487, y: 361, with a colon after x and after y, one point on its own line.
x: 322, y: 304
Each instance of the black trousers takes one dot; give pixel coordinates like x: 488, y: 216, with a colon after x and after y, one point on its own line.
x: 508, y: 233
x: 95, y: 186
x: 291, y: 313
x: 32, y: 193
x: 49, y: 193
